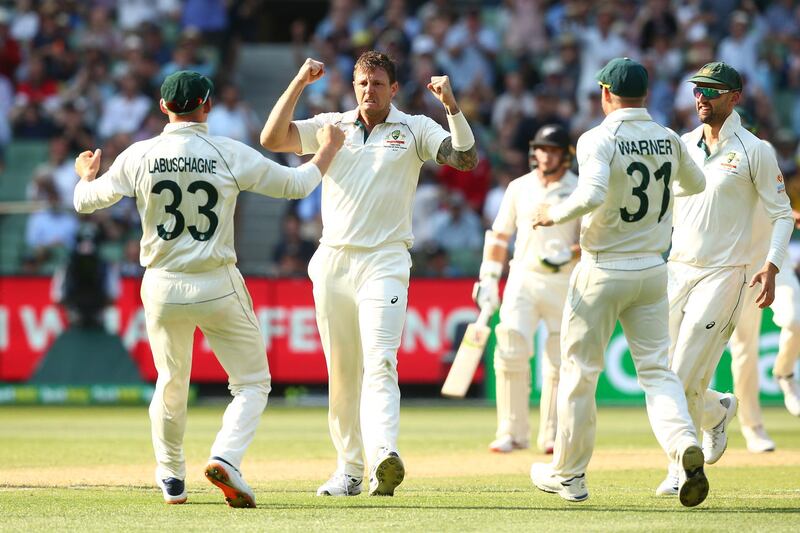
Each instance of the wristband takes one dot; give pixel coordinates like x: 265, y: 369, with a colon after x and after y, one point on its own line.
x: 490, y: 269
x: 460, y: 132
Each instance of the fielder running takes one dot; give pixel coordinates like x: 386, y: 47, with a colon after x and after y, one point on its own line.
x: 185, y: 183
x: 629, y: 168
x: 536, y: 289
x: 360, y: 271
x: 708, y: 264
x: 744, y: 343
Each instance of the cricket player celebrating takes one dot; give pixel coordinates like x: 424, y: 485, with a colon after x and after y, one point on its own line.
x: 711, y: 250
x: 744, y: 343
x: 536, y: 289
x: 360, y: 271
x: 185, y: 183
x: 629, y: 169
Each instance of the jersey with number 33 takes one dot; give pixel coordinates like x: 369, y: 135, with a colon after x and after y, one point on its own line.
x: 641, y: 165
x: 185, y: 183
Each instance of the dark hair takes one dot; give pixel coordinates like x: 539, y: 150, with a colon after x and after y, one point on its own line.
x: 371, y: 60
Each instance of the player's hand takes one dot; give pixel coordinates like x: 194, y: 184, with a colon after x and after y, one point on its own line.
x: 796, y: 217
x: 87, y: 164
x: 330, y: 135
x: 766, y: 277
x: 541, y: 216
x: 311, y: 71
x: 486, y: 294
x: 441, y: 89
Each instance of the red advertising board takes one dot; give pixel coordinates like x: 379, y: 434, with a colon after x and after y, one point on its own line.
x: 29, y: 322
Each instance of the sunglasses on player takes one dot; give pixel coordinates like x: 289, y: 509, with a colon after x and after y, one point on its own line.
x: 710, y: 92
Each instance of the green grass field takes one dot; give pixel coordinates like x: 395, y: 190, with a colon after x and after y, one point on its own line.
x: 79, y: 469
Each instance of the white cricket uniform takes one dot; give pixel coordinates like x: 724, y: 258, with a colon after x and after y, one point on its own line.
x: 744, y: 343
x: 629, y: 168
x: 533, y: 292
x: 360, y: 271
x: 185, y: 183
x: 711, y: 251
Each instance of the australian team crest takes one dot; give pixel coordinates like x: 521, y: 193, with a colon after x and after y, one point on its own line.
x: 730, y: 161
x: 395, y: 140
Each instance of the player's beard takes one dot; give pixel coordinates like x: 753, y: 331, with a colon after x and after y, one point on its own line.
x: 714, y: 117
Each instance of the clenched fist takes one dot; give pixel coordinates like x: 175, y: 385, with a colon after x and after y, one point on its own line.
x: 441, y: 89
x: 87, y: 164
x: 311, y: 71
x: 541, y: 216
x: 330, y: 135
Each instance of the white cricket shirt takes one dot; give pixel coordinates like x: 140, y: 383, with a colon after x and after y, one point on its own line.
x: 185, y: 183
x: 630, y: 167
x: 519, y: 203
x: 368, y: 192
x: 714, y: 229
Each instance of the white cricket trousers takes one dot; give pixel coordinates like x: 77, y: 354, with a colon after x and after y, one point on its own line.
x: 360, y: 297
x: 218, y: 303
x: 599, y: 295
x: 528, y: 297
x: 704, y: 307
x: 744, y: 346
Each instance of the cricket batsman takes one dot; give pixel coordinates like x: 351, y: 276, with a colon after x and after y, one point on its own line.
x: 536, y: 289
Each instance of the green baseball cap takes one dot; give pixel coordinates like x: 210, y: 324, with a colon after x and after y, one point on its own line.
x: 624, y: 77
x: 185, y: 90
x: 718, y: 72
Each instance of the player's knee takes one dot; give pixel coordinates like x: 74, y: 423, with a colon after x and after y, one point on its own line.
x: 513, y: 351
x: 381, y: 363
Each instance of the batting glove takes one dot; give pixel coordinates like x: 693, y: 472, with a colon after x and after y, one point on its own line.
x: 486, y: 293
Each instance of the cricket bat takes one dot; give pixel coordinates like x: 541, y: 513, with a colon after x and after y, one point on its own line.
x: 468, y: 356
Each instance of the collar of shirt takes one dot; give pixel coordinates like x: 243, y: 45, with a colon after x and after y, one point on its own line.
x: 627, y: 113
x: 395, y: 116
x: 729, y: 128
x: 172, y: 127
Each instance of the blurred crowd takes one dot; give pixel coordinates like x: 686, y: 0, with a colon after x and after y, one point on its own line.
x: 83, y: 74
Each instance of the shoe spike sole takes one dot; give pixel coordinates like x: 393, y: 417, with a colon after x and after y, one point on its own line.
x: 389, y: 473
x: 235, y: 498
x: 695, y: 488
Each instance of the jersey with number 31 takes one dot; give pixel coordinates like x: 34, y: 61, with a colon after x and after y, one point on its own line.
x: 643, y: 164
x: 185, y: 183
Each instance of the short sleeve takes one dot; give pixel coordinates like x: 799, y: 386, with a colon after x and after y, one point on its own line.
x: 308, y: 130
x: 429, y: 135
x: 506, y: 220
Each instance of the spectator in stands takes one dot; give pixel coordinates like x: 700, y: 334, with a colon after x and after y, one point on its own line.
x: 58, y: 171
x: 547, y: 112
x: 599, y: 44
x: 131, y: 266
x: 72, y: 128
x: 29, y: 121
x: 231, y: 117
x: 51, y: 231
x: 468, y: 52
x: 10, y: 52
x: 37, y: 86
x: 740, y: 48
x: 24, y: 22
x: 455, y: 226
x: 124, y: 112
x: 436, y: 263
x: 514, y: 99
x: 292, y: 253
x: 132, y: 13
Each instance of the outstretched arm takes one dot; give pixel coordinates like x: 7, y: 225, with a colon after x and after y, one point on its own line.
x: 279, y: 134
x: 458, y: 150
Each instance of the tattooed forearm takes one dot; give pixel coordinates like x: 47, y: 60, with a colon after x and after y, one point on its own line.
x: 460, y: 160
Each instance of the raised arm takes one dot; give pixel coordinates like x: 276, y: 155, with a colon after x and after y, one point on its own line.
x: 458, y: 150
x: 92, y: 194
x: 279, y: 134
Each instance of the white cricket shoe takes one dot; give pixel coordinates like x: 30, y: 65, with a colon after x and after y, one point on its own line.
x: 715, y: 440
x: 229, y: 480
x: 791, y: 394
x: 757, y: 439
x: 387, y: 473
x: 341, y: 484
x: 670, y: 485
x: 173, y: 489
x: 693, y: 483
x: 507, y: 445
x: 572, y: 489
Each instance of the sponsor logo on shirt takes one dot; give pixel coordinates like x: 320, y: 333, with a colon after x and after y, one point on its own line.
x: 731, y: 161
x: 781, y: 185
x: 396, y: 140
